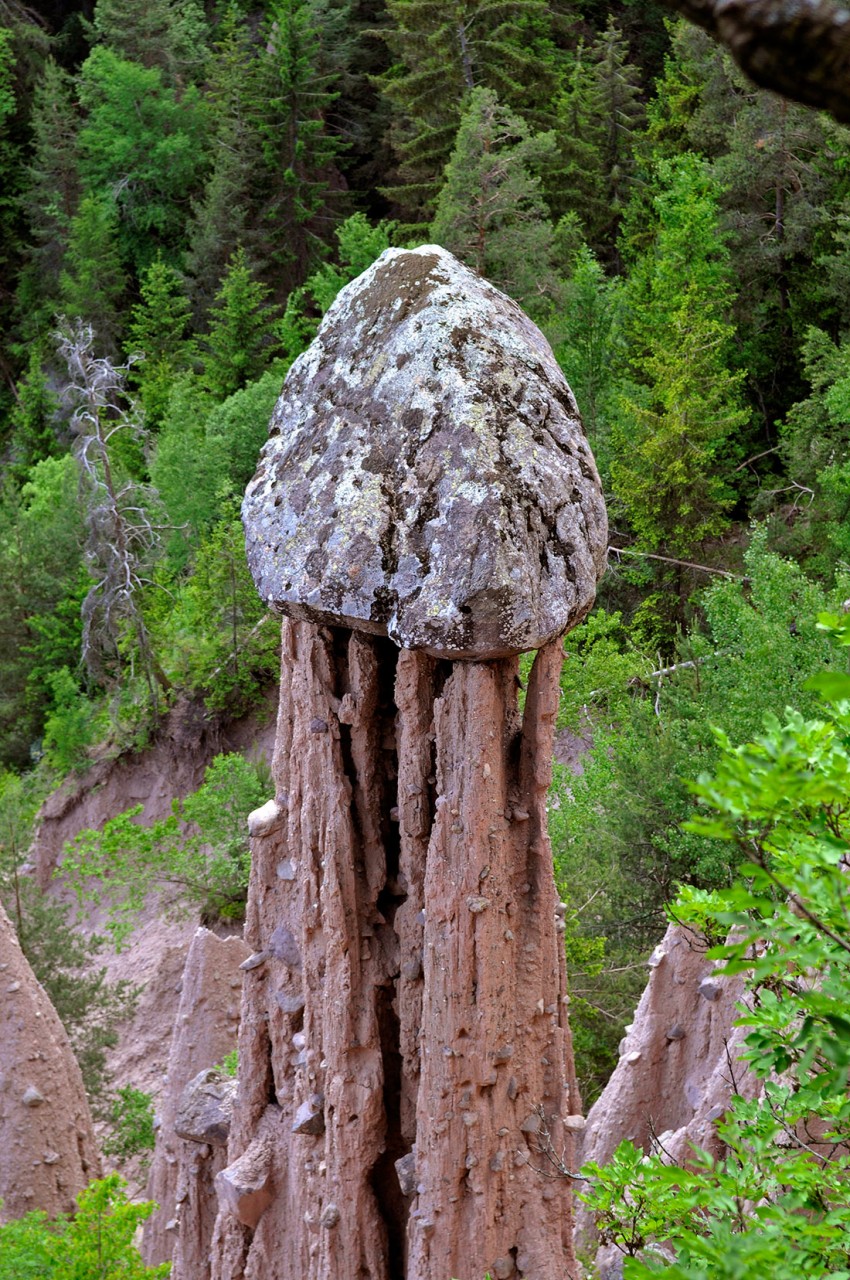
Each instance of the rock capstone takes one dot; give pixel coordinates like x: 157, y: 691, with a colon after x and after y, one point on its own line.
x: 427, y: 476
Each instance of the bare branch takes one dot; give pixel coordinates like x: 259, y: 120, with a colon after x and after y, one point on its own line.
x: 685, y: 564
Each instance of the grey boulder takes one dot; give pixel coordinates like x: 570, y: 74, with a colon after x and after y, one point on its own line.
x: 427, y: 476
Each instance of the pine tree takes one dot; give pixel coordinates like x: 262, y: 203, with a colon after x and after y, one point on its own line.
x: 51, y: 197
x: 159, y: 332
x: 11, y: 174
x: 227, y: 214
x: 144, y: 144
x: 586, y: 333
x: 297, y: 142
x: 686, y: 406
x: 34, y: 418
x: 599, y: 117
x: 93, y: 280
x: 241, y: 337
x: 41, y: 575
x: 442, y: 50
x: 274, y: 177
x: 170, y: 35
x: 490, y: 211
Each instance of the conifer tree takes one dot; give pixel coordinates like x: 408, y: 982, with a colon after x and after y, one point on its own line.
x: 442, y: 50
x: 586, y: 333
x: 34, y: 418
x: 599, y: 118
x: 297, y: 143
x: 11, y: 171
x: 51, y: 196
x: 668, y: 443
x: 167, y: 34
x: 490, y: 211
x: 93, y: 280
x: 159, y: 332
x: 227, y: 214
x: 274, y: 154
x: 241, y: 336
x: 145, y: 145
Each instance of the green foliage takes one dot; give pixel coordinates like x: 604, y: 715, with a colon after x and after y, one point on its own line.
x: 50, y: 197
x: 42, y: 582
x: 599, y: 117
x: 490, y: 210
x: 92, y: 281
x: 145, y: 145
x: 196, y: 857
x: 34, y: 419
x: 306, y: 55
x: 238, y: 428
x: 68, y: 730
x: 616, y: 831
x: 131, y: 1118
x: 95, y: 1243
x: 776, y: 1202
x: 241, y: 337
x: 222, y: 640
x: 167, y: 35
x: 441, y: 52
x: 586, y: 332
x: 158, y: 332
x: 668, y: 465
x: 230, y: 1063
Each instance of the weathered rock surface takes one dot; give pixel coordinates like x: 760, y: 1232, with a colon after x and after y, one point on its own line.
x: 46, y: 1136
x: 205, y: 1108
x: 427, y: 476
x: 184, y: 1168
x: 422, y: 998
x: 678, y: 1061
x: 186, y: 743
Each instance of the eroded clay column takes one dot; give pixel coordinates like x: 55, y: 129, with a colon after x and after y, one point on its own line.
x: 426, y: 510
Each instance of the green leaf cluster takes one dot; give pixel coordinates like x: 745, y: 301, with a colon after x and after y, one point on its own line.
x: 198, y: 857
x: 777, y: 1202
x: 96, y: 1242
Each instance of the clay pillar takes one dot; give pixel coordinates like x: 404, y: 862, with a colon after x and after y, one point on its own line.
x: 426, y: 509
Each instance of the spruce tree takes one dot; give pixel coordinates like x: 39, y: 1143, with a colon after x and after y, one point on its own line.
x: 273, y: 178
x: 599, y: 117
x: 51, y: 197
x: 159, y: 332
x: 11, y: 175
x: 685, y: 408
x: 93, y: 281
x: 299, y: 149
x: 586, y: 332
x: 241, y: 338
x: 442, y: 50
x: 227, y: 214
x: 490, y: 211
x: 167, y: 34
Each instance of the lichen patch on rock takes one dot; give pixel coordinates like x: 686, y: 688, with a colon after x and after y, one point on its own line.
x: 427, y: 476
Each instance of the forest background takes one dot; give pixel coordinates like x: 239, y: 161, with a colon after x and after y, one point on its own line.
x: 184, y: 188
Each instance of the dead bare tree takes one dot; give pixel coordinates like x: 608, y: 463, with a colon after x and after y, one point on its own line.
x: 122, y: 536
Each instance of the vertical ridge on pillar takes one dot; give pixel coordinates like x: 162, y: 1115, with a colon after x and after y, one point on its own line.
x: 492, y: 955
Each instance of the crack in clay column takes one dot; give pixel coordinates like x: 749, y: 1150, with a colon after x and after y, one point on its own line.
x: 426, y: 510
